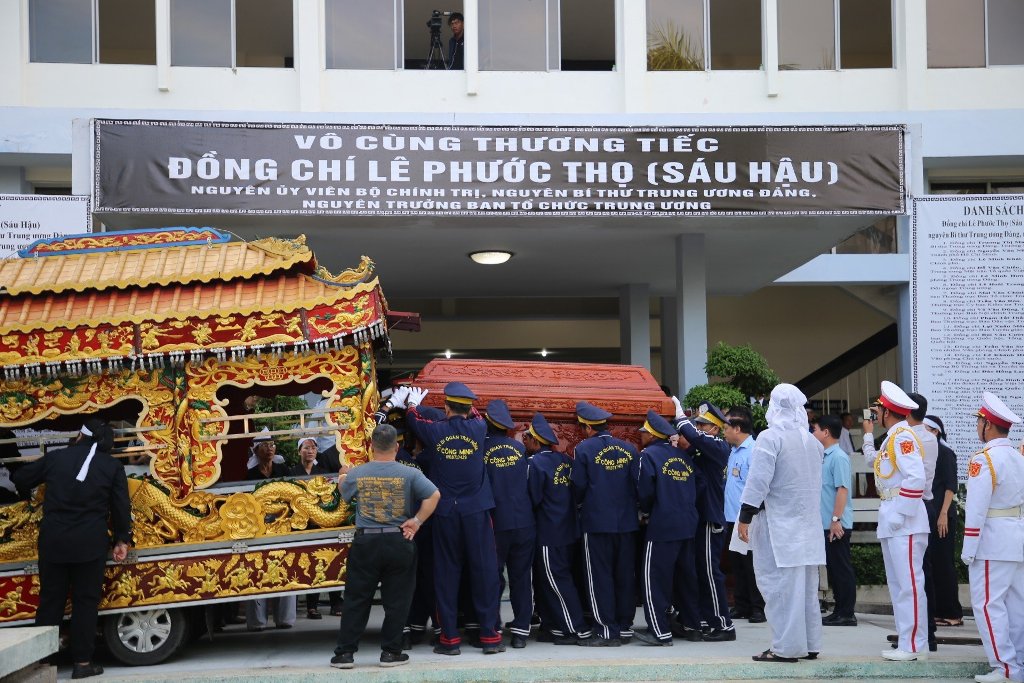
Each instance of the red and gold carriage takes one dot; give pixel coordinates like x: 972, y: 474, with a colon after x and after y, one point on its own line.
x: 168, y: 331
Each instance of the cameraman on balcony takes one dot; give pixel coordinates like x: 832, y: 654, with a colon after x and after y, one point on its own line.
x: 455, y: 43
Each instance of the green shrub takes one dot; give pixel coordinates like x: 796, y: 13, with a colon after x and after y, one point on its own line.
x: 868, y: 564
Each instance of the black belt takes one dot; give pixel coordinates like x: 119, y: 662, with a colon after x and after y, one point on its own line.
x: 378, y: 530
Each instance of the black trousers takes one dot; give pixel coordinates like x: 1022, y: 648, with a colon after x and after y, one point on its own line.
x: 746, y: 598
x: 388, y: 560
x: 85, y: 580
x: 941, y: 552
x: 841, y: 576
x: 708, y: 544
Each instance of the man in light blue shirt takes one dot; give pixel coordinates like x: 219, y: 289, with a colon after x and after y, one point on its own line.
x: 747, y: 600
x: 837, y: 520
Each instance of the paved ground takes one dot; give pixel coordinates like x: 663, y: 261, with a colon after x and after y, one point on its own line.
x: 302, y: 654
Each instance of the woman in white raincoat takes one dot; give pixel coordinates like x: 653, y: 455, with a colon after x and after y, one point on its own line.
x: 780, y: 502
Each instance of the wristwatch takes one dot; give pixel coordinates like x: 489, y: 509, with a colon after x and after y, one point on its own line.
x: 834, y: 518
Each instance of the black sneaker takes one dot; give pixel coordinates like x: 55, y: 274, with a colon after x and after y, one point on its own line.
x: 565, y: 640
x: 518, y: 642
x: 757, y: 618
x: 719, y: 635
x: 690, y: 634
x: 442, y: 650
x: 86, y: 670
x: 388, y: 658
x: 493, y: 648
x: 648, y: 638
x: 599, y: 641
x: 343, y: 661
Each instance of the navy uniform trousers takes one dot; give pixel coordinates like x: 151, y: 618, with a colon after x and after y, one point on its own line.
x: 714, y: 606
x: 609, y: 562
x: 668, y: 572
x: 465, y: 541
x: 422, y: 607
x: 515, y: 553
x: 557, y: 597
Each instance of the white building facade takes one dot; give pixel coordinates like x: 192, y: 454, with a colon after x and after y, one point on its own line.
x: 653, y: 291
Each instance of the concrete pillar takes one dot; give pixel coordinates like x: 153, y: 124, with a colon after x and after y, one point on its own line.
x: 691, y: 309
x: 309, y: 54
x: 669, y: 344
x: 635, y: 325
x: 12, y: 180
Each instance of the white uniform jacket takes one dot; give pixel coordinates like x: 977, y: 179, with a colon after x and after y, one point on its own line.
x: 900, y: 481
x: 995, y: 486
x: 785, y: 475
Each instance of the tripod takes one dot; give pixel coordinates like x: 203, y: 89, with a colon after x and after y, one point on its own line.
x: 435, y: 57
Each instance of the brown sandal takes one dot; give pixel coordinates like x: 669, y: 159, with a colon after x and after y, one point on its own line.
x: 769, y: 656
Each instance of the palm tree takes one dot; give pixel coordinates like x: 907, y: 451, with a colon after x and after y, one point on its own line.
x: 669, y: 48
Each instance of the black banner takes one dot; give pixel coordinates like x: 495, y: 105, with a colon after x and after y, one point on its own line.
x: 197, y: 167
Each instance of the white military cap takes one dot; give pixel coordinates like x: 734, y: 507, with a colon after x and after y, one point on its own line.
x: 895, y: 399
x: 995, y: 411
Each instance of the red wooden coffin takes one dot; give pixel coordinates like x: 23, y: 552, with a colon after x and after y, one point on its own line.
x: 626, y: 391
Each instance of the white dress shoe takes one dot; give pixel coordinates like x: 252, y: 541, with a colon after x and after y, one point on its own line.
x: 993, y: 675
x: 904, y: 656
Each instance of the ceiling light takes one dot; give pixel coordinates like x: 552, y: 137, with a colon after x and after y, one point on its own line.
x: 543, y: 353
x: 490, y: 258
x: 447, y: 353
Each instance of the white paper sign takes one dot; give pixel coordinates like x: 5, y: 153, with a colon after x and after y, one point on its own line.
x: 25, y: 218
x: 967, y: 294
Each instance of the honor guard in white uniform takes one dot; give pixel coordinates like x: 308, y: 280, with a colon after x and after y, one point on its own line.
x: 902, y: 518
x: 994, y: 541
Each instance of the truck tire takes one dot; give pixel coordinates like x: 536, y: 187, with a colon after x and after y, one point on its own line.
x: 146, y: 637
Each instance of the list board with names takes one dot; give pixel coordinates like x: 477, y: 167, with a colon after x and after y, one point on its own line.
x: 967, y: 291
x: 25, y: 218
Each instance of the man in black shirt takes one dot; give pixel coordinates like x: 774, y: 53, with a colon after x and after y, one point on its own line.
x: 455, y: 43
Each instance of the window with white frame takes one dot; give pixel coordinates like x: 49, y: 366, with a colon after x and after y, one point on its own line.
x: 92, y: 31
x: 363, y: 34
x: 232, y: 33
x: 975, y: 33
x: 697, y: 35
x: 835, y: 34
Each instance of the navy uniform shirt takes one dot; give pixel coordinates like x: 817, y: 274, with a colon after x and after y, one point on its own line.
x: 457, y: 466
x: 406, y: 458
x: 666, y: 486
x: 710, y: 455
x: 507, y: 469
x: 602, y: 482
x: 551, y: 496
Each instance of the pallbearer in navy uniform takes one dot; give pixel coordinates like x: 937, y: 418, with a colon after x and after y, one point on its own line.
x: 994, y: 541
x: 902, y: 518
x: 463, y: 538
x: 554, y: 509
x: 666, y: 490
x: 514, y: 530
x: 702, y: 439
x: 608, y: 519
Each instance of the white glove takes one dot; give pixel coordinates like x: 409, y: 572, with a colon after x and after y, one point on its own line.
x: 679, y: 408
x: 399, y: 397
x: 966, y: 559
x: 416, y: 396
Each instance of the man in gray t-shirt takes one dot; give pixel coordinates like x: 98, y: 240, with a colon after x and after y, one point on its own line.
x: 383, y: 552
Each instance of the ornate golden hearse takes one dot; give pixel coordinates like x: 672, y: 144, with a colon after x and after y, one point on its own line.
x: 168, y: 331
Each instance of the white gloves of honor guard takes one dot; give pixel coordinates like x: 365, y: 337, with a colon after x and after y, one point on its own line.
x: 679, y: 408
x: 416, y: 396
x: 399, y: 397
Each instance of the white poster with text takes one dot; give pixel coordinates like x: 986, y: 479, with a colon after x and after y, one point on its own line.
x: 25, y: 218
x: 967, y: 289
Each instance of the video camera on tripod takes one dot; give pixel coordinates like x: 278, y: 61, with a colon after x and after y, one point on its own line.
x: 435, y: 57
x: 435, y: 22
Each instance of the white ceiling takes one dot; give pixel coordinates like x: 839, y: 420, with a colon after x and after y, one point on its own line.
x: 562, y: 256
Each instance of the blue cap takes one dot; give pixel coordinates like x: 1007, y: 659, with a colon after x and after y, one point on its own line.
x: 542, y: 431
x: 709, y: 413
x: 430, y: 413
x: 657, y: 426
x: 497, y: 414
x: 459, y: 393
x: 589, y: 414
